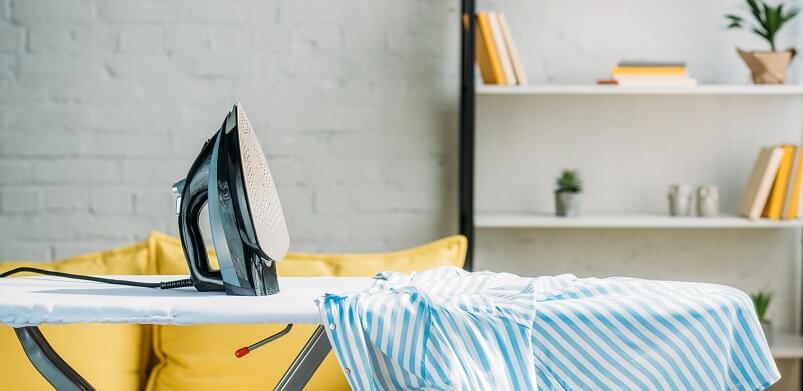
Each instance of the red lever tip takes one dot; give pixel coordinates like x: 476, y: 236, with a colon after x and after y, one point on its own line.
x: 242, y: 352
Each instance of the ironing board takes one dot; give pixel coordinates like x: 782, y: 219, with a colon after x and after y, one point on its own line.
x: 27, y: 302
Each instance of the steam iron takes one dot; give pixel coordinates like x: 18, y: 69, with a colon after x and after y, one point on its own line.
x: 249, y: 231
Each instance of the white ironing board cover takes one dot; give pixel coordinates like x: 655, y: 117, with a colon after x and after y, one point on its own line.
x: 30, y: 301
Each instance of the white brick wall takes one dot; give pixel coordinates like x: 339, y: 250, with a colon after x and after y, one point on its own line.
x: 103, y: 104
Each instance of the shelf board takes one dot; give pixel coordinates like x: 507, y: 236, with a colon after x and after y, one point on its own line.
x: 787, y: 346
x: 593, y: 89
x: 624, y: 220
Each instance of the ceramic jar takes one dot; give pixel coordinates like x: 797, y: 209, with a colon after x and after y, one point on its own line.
x: 707, y: 201
x: 680, y: 200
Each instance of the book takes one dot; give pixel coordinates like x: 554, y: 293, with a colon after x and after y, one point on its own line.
x: 652, y: 64
x: 760, y: 181
x: 646, y: 77
x: 652, y: 74
x: 774, y: 204
x: 490, y: 68
x: 501, y: 48
x: 800, y: 202
x: 512, y: 50
x: 651, y: 70
x: 792, y: 198
x: 655, y: 81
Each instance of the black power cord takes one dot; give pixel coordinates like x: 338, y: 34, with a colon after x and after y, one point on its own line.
x: 161, y: 285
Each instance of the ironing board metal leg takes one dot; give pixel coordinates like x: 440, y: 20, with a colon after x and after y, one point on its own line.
x: 49, y: 364
x: 306, y: 363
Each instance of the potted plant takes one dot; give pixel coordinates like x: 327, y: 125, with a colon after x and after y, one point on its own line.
x: 568, y: 195
x: 761, y: 300
x: 766, y: 67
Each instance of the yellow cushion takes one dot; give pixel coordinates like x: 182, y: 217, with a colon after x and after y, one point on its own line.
x: 202, y: 357
x: 110, y: 357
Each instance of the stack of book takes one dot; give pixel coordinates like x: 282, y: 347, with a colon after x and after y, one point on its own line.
x: 773, y: 190
x: 651, y: 74
x: 497, y: 54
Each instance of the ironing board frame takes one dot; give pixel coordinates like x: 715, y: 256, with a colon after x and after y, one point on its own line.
x: 64, y: 378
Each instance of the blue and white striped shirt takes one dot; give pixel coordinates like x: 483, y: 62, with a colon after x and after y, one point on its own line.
x: 453, y: 330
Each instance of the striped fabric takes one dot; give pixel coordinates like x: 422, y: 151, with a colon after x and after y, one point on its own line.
x: 448, y: 329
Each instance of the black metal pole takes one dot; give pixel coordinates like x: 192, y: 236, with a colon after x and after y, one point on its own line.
x: 307, y: 362
x: 467, y: 28
x: 50, y: 365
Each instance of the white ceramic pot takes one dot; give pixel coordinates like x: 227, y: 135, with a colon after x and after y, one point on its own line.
x: 567, y: 204
x: 680, y: 200
x: 707, y: 201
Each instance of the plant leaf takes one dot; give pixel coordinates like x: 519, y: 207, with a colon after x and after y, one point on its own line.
x: 762, y: 33
x: 773, y: 16
x: 773, y: 19
x: 569, y: 181
x: 761, y: 301
x: 756, y: 11
x: 790, y: 14
x: 734, y: 18
x: 734, y: 21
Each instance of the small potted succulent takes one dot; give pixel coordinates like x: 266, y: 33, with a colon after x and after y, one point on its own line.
x: 766, y: 67
x: 761, y: 300
x: 568, y: 195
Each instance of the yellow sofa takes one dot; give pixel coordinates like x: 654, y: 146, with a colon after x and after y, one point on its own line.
x: 135, y: 357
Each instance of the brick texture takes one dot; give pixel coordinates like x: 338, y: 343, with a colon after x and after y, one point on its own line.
x: 104, y: 104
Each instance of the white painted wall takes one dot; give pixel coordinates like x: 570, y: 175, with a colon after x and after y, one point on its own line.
x: 579, y: 41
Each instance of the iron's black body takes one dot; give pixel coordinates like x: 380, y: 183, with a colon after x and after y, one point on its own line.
x: 216, y: 179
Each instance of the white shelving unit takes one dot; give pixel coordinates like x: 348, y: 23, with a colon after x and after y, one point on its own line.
x: 591, y: 89
x: 516, y: 99
x: 623, y: 221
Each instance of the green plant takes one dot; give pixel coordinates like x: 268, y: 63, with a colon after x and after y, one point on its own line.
x: 768, y: 19
x: 761, y: 300
x: 569, y: 181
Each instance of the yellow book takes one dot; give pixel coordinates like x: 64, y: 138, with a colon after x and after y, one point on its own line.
x: 627, y: 70
x: 513, y: 51
x: 501, y: 48
x: 791, y: 202
x: 483, y: 57
x: 487, y: 55
x: 775, y: 202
